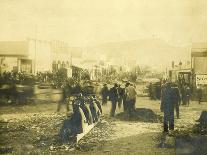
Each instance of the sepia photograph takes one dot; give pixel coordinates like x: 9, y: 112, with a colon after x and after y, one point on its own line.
x: 103, y: 77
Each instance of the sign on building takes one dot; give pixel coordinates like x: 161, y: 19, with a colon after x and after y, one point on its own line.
x: 201, y: 79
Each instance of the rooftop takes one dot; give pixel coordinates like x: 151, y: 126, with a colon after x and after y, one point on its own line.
x: 14, y: 48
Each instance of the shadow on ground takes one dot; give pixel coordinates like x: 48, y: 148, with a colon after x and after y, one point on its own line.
x: 140, y: 114
x: 135, y: 145
x: 195, y: 141
x: 192, y: 140
x: 191, y: 145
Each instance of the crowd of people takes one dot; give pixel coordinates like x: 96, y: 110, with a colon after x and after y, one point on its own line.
x: 15, y: 78
x: 12, y: 89
x: 118, y: 95
x: 89, y: 108
x: 12, y: 77
x: 172, y: 95
x: 12, y: 84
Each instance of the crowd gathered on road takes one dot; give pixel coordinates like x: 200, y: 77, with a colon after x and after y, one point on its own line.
x: 120, y: 94
x: 171, y: 96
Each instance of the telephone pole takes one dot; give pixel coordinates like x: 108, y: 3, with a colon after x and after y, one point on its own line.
x: 35, y: 58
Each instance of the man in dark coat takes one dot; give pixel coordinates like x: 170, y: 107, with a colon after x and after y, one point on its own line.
x: 124, y: 97
x: 176, y: 98
x: 121, y: 94
x: 104, y: 94
x: 158, y: 90
x: 73, y: 124
x: 183, y: 95
x: 113, y: 96
x: 167, y: 106
x: 188, y: 94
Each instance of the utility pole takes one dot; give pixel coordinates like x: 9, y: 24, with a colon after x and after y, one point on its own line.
x: 35, y: 58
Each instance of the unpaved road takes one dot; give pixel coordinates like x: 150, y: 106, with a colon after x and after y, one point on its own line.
x: 34, y: 128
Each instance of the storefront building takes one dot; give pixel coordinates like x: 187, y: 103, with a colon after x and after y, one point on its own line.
x: 199, y: 67
x: 32, y: 56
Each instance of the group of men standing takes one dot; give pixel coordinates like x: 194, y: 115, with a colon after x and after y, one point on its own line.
x: 118, y: 95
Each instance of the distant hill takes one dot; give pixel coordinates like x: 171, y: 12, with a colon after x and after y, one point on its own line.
x: 149, y: 51
x: 152, y: 52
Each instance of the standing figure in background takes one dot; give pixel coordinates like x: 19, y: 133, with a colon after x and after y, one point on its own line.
x: 200, y: 94
x: 167, y: 107
x: 150, y: 91
x: 124, y: 97
x: 113, y: 96
x: 176, y: 99
x: 104, y: 94
x: 121, y: 94
x: 183, y: 95
x: 131, y: 98
x: 188, y: 94
x: 78, y: 88
x: 158, y: 90
x: 65, y: 97
x: 162, y: 88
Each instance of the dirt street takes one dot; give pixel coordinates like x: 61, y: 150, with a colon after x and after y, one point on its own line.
x: 33, y: 129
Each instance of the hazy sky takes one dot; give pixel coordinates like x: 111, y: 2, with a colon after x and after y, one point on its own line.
x: 88, y: 22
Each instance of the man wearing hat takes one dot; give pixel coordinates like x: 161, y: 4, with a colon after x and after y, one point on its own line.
x: 124, y: 97
x: 113, y: 96
x: 130, y: 98
x: 104, y: 94
x: 167, y: 106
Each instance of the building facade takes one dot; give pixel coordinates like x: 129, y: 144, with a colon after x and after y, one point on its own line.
x: 32, y: 56
x: 199, y: 67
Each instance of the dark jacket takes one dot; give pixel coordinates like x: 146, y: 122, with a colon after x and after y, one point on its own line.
x: 104, y: 91
x: 176, y: 95
x: 121, y: 91
x: 113, y: 94
x: 167, y: 98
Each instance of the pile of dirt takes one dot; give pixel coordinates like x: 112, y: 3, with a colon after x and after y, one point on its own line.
x: 201, y: 127
x: 140, y: 114
x: 203, y: 118
x: 95, y: 138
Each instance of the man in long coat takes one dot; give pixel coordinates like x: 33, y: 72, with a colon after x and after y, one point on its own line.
x: 167, y: 107
x: 113, y: 96
x: 176, y: 99
x: 104, y: 94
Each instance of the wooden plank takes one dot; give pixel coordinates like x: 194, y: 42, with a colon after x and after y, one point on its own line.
x: 86, y: 130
